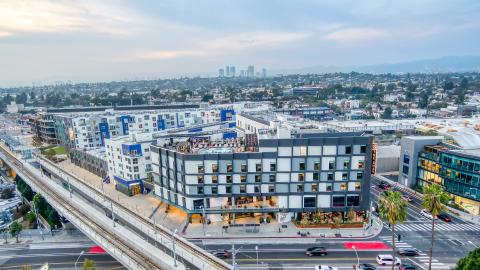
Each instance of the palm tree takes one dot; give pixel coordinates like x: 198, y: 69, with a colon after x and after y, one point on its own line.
x: 392, y: 207
x: 434, y: 199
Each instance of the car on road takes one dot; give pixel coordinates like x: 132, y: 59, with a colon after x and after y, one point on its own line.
x: 364, y: 266
x: 444, y: 217
x: 384, y: 185
x: 407, y: 198
x: 408, y: 251
x: 387, y: 259
x: 316, y: 251
x: 408, y: 266
x: 426, y: 214
x: 221, y: 254
x: 325, y: 267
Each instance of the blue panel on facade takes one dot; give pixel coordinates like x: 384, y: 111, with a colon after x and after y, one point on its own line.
x: 134, y: 150
x: 104, y: 132
x: 229, y: 135
x: 195, y: 130
x: 124, y: 119
x: 160, y: 124
x: 232, y: 124
x: 226, y: 114
x: 128, y: 183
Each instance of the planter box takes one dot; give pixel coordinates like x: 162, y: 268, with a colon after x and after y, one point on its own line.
x: 341, y: 226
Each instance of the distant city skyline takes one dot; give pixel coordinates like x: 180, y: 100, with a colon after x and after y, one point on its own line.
x: 46, y: 41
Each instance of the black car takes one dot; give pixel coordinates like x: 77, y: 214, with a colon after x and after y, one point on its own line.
x: 384, y: 185
x: 407, y: 266
x: 364, y: 266
x: 444, y: 217
x: 316, y: 251
x: 223, y: 254
x: 408, y: 252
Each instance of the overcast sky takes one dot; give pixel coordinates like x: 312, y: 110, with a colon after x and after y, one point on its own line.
x: 43, y: 41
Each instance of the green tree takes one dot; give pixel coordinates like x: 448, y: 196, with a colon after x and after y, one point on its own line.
x: 15, y: 230
x: 434, y: 199
x: 471, y: 261
x: 387, y: 113
x: 392, y: 207
x: 89, y: 265
x: 21, y: 98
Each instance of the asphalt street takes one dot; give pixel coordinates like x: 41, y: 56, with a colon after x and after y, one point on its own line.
x: 58, y: 256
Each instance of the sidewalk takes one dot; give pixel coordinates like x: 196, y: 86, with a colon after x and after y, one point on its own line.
x: 270, y: 232
x: 33, y: 236
x: 460, y: 214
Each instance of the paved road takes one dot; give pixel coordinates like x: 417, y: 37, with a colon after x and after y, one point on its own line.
x: 453, y: 240
x: 59, y: 256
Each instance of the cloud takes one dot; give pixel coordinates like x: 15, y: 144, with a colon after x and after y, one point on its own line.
x: 355, y: 34
x: 33, y: 16
x: 225, y: 45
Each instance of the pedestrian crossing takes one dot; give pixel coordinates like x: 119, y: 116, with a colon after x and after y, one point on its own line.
x: 438, y: 227
x: 422, y: 257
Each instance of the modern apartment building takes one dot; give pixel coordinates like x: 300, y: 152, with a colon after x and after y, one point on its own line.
x: 90, y: 130
x: 281, y: 177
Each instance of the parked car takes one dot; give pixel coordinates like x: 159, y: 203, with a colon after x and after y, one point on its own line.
x: 426, y: 214
x: 316, y: 251
x: 222, y: 254
x: 407, y: 198
x: 364, y: 266
x: 387, y: 259
x: 408, y: 251
x: 445, y: 217
x: 407, y: 266
x: 325, y: 267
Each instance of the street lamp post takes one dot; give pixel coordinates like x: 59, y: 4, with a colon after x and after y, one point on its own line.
x: 203, y: 220
x: 173, y: 248
x: 358, y: 259
x: 81, y: 253
x: 256, y: 251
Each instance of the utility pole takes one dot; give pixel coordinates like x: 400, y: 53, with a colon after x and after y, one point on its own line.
x: 234, y: 253
x: 38, y: 222
x: 173, y: 248
x: 113, y: 214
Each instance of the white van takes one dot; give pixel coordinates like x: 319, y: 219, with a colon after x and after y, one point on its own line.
x: 387, y: 259
x: 425, y: 213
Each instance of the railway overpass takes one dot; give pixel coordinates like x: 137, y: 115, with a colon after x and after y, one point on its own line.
x: 135, y: 241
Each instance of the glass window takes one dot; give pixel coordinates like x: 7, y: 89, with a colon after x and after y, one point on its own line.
x: 258, y: 178
x: 199, y: 190
x: 300, y: 188
x: 353, y: 200
x: 301, y: 166
x: 314, y: 188
x: 200, y: 179
x: 363, y: 149
x: 229, y: 168
x: 358, y: 186
x: 271, y: 188
x: 346, y: 164
x: 331, y: 165
x: 257, y: 188
x: 330, y: 176
x: 272, y: 177
x: 344, y: 176
x: 201, y: 169
x: 273, y: 167
x: 243, y: 168
x: 303, y: 150
x: 243, y: 178
x: 214, y: 190
x: 328, y: 187
x: 316, y: 176
x: 214, y: 179
x: 406, y: 158
x: 309, y: 202
x: 258, y: 167
x: 348, y: 149
x: 316, y: 166
x: 361, y: 164
x: 215, y: 168
x: 229, y: 178
x: 301, y: 177
x: 343, y: 186
x: 243, y: 188
x: 405, y: 169
x: 338, y: 201
x: 359, y: 175
x: 228, y: 189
